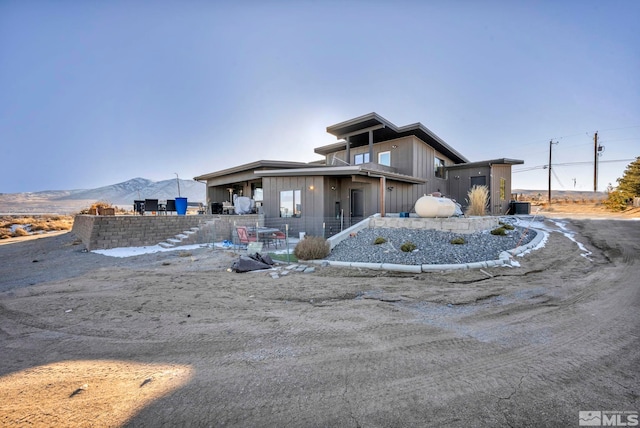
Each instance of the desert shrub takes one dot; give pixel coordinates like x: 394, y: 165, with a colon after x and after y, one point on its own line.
x: 379, y: 240
x: 617, y: 201
x: 499, y: 231
x: 408, y: 247
x: 48, y: 224
x: 478, y: 200
x: 312, y: 248
x: 95, y: 207
x: 457, y: 241
x: 5, y: 233
x: 20, y: 232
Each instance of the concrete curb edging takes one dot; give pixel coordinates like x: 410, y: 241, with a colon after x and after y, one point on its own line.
x: 504, y: 260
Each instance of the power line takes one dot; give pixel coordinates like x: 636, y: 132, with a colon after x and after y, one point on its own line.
x: 569, y: 164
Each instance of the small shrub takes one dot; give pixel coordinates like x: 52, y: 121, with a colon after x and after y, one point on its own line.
x: 20, y: 232
x: 616, y: 201
x: 499, y: 231
x: 312, y: 248
x: 96, y: 207
x: 379, y: 240
x: 478, y: 201
x: 457, y: 241
x: 506, y: 226
x: 408, y: 247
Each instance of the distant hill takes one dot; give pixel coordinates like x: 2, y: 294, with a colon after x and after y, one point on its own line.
x: 120, y: 194
x: 560, y: 194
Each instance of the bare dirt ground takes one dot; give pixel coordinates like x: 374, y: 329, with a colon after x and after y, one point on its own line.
x: 174, y: 339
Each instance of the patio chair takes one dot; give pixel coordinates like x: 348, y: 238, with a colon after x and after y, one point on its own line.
x: 278, y: 238
x: 243, y: 236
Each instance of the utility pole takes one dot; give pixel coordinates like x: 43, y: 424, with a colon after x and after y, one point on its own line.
x: 595, y: 162
x: 550, y: 145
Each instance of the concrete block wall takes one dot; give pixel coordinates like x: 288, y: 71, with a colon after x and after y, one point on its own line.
x: 104, y: 232
x: 450, y: 224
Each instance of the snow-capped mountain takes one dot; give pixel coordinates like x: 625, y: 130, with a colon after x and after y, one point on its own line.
x: 120, y: 194
x: 141, y: 188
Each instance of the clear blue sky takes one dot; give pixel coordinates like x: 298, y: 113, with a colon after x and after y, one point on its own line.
x: 97, y: 92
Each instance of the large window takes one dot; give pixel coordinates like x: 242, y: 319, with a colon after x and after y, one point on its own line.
x: 439, y: 167
x: 361, y: 158
x: 384, y: 158
x: 290, y: 203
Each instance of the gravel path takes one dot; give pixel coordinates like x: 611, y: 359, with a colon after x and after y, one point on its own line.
x: 433, y: 247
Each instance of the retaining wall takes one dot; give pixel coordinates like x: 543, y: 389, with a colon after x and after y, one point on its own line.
x: 104, y: 232
x: 449, y: 224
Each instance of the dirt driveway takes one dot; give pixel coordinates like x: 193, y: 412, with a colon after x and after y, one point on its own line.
x: 173, y: 339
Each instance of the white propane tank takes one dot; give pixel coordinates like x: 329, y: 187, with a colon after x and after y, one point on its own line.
x: 430, y: 206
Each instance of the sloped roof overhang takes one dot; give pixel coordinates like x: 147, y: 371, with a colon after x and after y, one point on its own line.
x: 358, y: 129
x: 261, y: 164
x: 486, y: 163
x: 341, y: 171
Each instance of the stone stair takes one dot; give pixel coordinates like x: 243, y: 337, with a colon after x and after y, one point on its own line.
x: 185, y: 238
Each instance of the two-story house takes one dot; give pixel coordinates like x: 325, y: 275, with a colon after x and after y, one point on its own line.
x: 374, y: 167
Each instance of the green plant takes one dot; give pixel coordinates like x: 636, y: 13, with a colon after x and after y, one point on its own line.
x: 478, y: 200
x: 283, y: 257
x: 499, y: 231
x: 506, y: 226
x: 312, y: 248
x: 379, y: 240
x: 457, y: 241
x: 617, y: 201
x: 408, y: 247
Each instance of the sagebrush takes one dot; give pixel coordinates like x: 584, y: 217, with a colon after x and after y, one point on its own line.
x: 478, y: 201
x: 312, y: 248
x: 408, y: 247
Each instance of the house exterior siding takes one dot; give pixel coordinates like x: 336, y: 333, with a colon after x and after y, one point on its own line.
x: 336, y: 192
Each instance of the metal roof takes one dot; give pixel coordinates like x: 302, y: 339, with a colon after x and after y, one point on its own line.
x: 358, y: 132
x: 502, y: 161
x: 341, y: 171
x: 253, y: 166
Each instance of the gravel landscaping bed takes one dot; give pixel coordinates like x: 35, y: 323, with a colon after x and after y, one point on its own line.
x: 432, y: 247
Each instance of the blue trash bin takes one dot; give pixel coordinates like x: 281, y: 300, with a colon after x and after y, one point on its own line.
x: 181, y: 206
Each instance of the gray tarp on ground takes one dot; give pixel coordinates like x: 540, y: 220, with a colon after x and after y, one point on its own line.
x: 252, y: 262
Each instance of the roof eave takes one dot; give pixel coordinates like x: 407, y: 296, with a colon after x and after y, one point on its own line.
x: 250, y: 166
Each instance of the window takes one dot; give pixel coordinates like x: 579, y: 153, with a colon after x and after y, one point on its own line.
x: 439, y: 167
x: 361, y: 158
x: 290, y: 203
x: 384, y: 158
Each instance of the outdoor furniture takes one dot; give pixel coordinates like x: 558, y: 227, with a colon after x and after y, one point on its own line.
x: 151, y: 205
x: 138, y: 207
x: 243, y: 236
x: 171, y: 205
x: 278, y: 237
x: 216, y: 208
x: 265, y: 234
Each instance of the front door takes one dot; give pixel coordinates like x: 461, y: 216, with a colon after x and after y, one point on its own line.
x: 357, y: 205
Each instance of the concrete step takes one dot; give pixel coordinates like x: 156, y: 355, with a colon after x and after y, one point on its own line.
x: 166, y: 245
